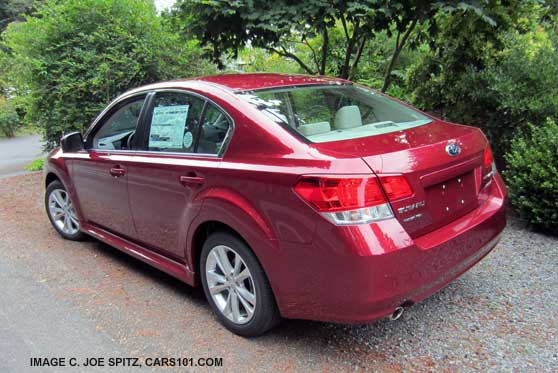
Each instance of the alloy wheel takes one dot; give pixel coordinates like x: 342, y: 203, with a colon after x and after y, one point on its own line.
x: 62, y: 212
x: 230, y: 284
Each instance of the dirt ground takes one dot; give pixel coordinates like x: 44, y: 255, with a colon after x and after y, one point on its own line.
x: 62, y: 298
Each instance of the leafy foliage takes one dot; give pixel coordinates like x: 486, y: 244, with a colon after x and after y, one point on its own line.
x: 257, y: 59
x: 14, y: 10
x: 491, y: 78
x: 72, y: 57
x: 532, y: 176
x: 334, y: 33
x: 9, y: 119
x: 36, y: 165
x: 488, y: 63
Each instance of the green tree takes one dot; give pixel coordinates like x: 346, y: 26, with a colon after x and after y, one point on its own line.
x: 257, y: 59
x: 415, y: 22
x: 9, y: 120
x: 11, y: 11
x: 497, y: 77
x: 285, y: 27
x: 14, y: 10
x: 71, y: 58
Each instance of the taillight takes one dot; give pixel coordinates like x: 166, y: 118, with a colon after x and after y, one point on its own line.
x: 396, y: 187
x: 351, y: 199
x: 487, y: 157
x: 488, y: 167
x: 339, y: 193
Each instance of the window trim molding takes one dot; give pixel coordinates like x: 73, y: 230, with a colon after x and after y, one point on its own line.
x: 109, y: 111
x: 142, y: 122
x: 207, y: 100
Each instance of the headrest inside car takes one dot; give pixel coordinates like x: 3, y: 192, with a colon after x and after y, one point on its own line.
x: 310, y: 129
x: 348, y: 117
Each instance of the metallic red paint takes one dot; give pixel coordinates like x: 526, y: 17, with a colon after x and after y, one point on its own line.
x: 317, y: 270
x: 267, y: 80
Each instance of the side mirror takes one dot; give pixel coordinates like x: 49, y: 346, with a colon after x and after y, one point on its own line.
x: 71, y: 142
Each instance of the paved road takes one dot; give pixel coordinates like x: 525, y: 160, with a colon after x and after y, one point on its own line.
x: 17, y: 153
x: 62, y: 298
x: 33, y: 323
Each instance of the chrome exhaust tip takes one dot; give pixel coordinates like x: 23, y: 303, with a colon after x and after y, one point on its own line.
x: 396, y: 314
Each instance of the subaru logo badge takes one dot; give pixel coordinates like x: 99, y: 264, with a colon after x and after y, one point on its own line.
x: 453, y: 149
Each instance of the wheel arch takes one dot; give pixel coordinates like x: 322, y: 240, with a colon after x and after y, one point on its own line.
x: 57, y: 168
x: 263, y: 253
x: 202, y: 232
x: 50, y: 177
x: 233, y: 214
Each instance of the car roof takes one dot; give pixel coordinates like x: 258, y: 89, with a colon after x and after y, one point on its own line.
x: 237, y: 82
x: 253, y: 81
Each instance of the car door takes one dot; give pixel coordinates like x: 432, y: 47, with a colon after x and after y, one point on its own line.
x: 181, y: 151
x: 100, y: 174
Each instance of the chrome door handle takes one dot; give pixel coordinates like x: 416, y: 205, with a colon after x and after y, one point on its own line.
x: 117, y: 171
x: 191, y: 180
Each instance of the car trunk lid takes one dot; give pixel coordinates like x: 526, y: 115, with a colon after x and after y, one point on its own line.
x: 445, y: 186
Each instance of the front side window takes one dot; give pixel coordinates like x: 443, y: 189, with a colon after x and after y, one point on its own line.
x: 118, y: 130
x: 334, y: 112
x: 174, y: 122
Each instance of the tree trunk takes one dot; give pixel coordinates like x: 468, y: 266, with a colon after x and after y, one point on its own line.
x: 357, y: 57
x: 325, y: 50
x: 344, y: 73
x: 285, y: 53
x: 345, y: 69
x: 395, y: 55
x: 399, y: 45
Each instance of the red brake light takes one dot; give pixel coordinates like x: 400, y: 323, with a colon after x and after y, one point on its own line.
x: 487, y: 157
x: 396, y: 187
x: 489, y: 168
x: 329, y: 194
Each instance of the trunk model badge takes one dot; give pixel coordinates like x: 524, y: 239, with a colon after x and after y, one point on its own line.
x: 411, y: 207
x: 453, y: 149
x: 412, y: 217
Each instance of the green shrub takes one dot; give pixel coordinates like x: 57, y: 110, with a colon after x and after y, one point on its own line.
x: 499, y: 84
x: 532, y: 175
x: 9, y: 120
x: 36, y: 165
x: 70, y: 58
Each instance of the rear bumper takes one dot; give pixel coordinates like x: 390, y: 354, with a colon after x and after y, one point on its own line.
x: 362, y: 273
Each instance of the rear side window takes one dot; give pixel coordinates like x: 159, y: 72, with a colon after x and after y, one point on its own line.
x: 213, y: 131
x: 174, y: 122
x: 185, y: 123
x: 334, y: 112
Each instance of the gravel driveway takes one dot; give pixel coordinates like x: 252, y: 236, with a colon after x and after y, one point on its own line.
x: 501, y: 315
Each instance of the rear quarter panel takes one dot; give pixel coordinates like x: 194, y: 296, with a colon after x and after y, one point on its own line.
x: 252, y: 190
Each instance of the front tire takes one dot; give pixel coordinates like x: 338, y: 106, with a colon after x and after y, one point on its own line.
x: 236, y: 286
x: 61, y: 212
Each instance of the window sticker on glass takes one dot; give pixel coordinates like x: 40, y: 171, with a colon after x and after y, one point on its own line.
x: 188, y: 139
x: 167, y: 126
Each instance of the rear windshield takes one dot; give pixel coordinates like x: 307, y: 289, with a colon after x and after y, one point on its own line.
x: 334, y: 112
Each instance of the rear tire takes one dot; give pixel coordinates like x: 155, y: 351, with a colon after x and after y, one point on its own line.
x: 61, y: 212
x: 236, y: 286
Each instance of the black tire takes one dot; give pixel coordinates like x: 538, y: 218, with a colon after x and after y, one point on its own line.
x: 57, y: 185
x: 266, y: 314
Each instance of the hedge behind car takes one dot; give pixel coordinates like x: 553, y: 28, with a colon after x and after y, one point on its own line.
x: 532, y: 175
x: 9, y: 119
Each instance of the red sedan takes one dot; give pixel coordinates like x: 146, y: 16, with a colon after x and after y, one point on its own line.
x: 282, y: 195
